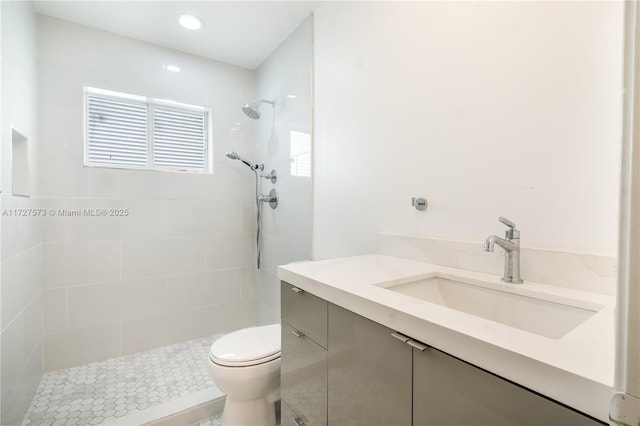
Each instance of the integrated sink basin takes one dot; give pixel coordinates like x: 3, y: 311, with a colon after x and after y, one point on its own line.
x: 503, y: 303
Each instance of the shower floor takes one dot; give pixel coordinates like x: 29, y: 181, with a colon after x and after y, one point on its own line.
x: 104, y: 392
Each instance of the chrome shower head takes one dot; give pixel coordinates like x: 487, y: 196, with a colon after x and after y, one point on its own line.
x: 234, y: 156
x: 252, y: 110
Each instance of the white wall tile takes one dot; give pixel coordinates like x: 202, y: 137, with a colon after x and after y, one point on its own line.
x: 94, y: 305
x: 202, y: 289
x: 162, y: 330
x: 230, y: 317
x: 32, y: 325
x: 20, y: 364
x: 53, y: 227
x: 12, y: 360
x: 54, y: 310
x: 227, y: 252
x: 268, y: 291
x: 117, y: 302
x: 266, y: 314
x: 80, y: 263
x: 186, y: 217
x: 61, y: 175
x: 148, y: 258
x: 187, y: 291
x: 76, y: 347
x: 19, y: 283
x: 143, y: 298
x: 54, y: 119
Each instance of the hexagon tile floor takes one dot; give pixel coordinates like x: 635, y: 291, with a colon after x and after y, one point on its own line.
x: 211, y: 421
x: 100, y: 392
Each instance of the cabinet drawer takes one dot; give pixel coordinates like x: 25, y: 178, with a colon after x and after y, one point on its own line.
x: 305, y: 312
x: 303, y: 380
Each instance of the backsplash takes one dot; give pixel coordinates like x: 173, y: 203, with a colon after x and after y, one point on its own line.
x: 580, y: 271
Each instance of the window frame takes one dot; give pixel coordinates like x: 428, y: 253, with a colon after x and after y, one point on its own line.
x: 150, y: 104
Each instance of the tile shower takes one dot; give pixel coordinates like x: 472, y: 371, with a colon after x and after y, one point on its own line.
x: 82, y: 296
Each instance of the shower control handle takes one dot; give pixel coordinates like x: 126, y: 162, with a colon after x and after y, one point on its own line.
x: 272, y: 176
x: 271, y: 198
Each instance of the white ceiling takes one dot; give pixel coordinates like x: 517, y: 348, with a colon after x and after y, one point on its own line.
x: 242, y: 33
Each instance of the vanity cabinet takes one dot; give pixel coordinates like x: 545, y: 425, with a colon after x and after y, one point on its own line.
x: 303, y: 376
x: 339, y: 368
x: 369, y: 373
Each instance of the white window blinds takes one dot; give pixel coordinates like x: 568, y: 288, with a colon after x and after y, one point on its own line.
x: 129, y: 131
x: 117, y: 131
x: 179, y: 138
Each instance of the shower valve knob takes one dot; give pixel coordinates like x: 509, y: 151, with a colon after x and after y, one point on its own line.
x: 273, y: 176
x: 419, y: 203
x: 272, y: 198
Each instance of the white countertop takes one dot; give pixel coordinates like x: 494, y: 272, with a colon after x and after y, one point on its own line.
x: 576, y: 369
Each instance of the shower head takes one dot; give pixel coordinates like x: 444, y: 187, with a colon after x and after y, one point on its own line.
x: 234, y: 156
x: 252, y: 110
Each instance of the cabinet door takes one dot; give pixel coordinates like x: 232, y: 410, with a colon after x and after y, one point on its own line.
x: 303, y: 378
x: 369, y: 373
x: 287, y: 416
x: 450, y: 392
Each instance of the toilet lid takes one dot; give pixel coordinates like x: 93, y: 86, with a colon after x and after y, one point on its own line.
x: 249, y: 346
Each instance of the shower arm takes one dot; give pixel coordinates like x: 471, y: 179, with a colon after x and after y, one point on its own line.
x: 265, y: 101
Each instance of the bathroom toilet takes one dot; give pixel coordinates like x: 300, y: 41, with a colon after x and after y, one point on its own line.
x: 245, y: 365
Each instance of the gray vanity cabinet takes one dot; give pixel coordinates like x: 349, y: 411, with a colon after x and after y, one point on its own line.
x: 369, y: 372
x: 451, y: 392
x: 341, y: 369
x: 303, y: 376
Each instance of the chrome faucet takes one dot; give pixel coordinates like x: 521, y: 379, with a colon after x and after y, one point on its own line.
x: 511, y: 246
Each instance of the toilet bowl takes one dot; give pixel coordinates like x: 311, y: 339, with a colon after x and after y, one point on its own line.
x: 245, y: 365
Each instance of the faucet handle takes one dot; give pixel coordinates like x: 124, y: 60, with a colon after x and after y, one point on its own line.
x: 512, y: 232
x: 507, y: 222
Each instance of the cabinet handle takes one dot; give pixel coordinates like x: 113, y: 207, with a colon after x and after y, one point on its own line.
x: 401, y: 337
x: 298, y: 421
x: 298, y: 333
x: 417, y: 345
x: 297, y: 290
x: 409, y: 341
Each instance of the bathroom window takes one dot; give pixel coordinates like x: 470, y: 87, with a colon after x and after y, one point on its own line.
x: 136, y: 132
x: 300, y: 153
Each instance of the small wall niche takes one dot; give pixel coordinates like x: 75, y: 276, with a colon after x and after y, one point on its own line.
x: 19, y: 164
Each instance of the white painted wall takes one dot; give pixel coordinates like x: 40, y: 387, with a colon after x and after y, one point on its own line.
x: 21, y: 282
x: 484, y: 108
x: 287, y: 229
x: 180, y: 265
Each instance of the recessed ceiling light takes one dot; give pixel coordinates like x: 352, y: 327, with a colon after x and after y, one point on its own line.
x: 291, y: 96
x: 190, y: 22
x: 171, y: 68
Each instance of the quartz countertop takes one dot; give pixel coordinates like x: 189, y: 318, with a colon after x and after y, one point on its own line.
x: 576, y: 369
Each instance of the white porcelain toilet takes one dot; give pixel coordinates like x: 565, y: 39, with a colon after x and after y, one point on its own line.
x: 245, y: 365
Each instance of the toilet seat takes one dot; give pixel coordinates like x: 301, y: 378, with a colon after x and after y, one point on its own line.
x: 247, y: 347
